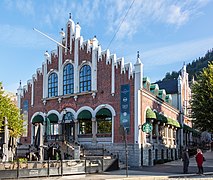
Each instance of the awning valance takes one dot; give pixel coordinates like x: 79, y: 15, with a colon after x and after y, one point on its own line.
x: 161, y: 117
x: 85, y: 115
x: 173, y: 122
x: 187, y: 128
x: 104, y: 112
x: 38, y: 119
x: 150, y: 114
x: 53, y: 118
x: 190, y: 129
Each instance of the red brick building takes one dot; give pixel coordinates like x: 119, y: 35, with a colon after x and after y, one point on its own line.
x: 83, y: 94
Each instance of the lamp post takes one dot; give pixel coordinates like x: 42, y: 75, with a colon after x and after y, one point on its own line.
x: 123, y: 132
x: 63, y: 124
x: 45, y: 126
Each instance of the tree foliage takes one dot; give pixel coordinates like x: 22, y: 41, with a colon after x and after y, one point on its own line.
x: 11, y: 112
x: 202, y: 100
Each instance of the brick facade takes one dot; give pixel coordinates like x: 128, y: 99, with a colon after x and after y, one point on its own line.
x: 108, y: 74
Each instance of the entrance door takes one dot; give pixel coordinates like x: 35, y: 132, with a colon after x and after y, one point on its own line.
x: 70, y: 131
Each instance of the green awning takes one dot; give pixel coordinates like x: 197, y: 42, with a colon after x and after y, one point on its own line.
x: 150, y: 114
x: 161, y: 117
x: 38, y: 119
x: 53, y: 118
x: 173, y: 122
x: 84, y: 115
x: 104, y: 112
x: 187, y: 128
x: 194, y: 131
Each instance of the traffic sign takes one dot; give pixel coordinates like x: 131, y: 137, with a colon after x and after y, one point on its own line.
x: 147, y: 127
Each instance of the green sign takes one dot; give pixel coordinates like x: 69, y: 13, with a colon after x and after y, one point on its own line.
x: 147, y: 127
x: 125, y: 107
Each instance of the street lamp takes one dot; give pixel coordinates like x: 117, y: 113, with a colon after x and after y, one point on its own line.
x: 63, y: 123
x: 45, y: 127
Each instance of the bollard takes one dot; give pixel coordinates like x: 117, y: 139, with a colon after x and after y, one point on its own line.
x: 18, y: 168
x: 48, y: 167
x: 61, y: 167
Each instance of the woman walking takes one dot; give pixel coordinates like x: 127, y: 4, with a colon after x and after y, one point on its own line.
x: 199, y: 160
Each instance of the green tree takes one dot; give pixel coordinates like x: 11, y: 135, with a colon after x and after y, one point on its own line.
x: 11, y: 112
x: 202, y: 100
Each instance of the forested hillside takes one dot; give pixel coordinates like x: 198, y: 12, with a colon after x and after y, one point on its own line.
x: 193, y: 68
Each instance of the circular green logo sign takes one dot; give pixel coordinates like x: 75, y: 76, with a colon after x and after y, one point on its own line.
x: 147, y: 127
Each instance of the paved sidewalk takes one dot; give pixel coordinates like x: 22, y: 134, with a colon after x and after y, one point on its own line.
x: 171, y: 170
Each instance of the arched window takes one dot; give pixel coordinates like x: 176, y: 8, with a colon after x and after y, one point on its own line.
x: 52, y: 124
x: 85, y: 78
x: 68, y: 79
x: 68, y: 117
x: 85, y: 123
x: 104, y: 121
x: 53, y: 85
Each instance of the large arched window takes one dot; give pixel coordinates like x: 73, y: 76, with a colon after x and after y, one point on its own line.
x: 104, y: 121
x: 85, y: 122
x: 52, y: 124
x: 53, y: 85
x: 68, y: 79
x: 85, y: 78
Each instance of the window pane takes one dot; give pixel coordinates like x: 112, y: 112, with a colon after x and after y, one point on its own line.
x: 68, y: 79
x: 85, y: 78
x: 53, y: 85
x: 104, y: 125
x: 85, y: 126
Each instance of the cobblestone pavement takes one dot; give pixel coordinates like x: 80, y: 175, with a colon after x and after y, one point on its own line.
x: 171, y: 170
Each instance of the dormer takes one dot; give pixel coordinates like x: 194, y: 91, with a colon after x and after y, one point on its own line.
x: 146, y: 83
x: 154, y: 88
x: 162, y: 94
x: 169, y: 99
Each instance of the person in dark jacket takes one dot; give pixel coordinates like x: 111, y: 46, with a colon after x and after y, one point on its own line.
x: 199, y: 160
x: 185, y: 159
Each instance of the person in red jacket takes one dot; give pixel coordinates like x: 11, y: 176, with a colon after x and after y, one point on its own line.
x: 199, y: 160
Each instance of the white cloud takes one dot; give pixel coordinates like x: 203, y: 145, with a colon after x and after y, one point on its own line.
x: 23, y: 6
x: 87, y: 12
x: 146, y: 12
x: 177, y: 16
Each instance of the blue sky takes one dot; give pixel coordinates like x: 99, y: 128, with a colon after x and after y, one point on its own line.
x: 166, y: 32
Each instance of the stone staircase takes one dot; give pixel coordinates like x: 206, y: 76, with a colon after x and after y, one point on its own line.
x: 67, y: 149
x: 96, y: 155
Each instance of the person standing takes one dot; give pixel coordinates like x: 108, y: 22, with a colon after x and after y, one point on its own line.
x: 185, y: 159
x: 199, y: 160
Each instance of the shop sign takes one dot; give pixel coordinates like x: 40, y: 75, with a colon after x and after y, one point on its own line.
x: 147, y: 127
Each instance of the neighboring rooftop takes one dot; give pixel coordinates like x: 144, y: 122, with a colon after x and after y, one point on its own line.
x: 171, y: 86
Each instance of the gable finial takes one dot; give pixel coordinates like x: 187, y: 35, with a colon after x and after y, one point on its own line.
x: 138, y: 55
x: 70, y: 15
